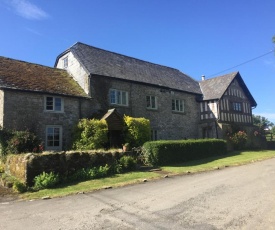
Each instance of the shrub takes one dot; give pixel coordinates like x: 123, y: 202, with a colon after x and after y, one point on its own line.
x: 23, y: 142
x: 172, y: 152
x: 90, y: 173
x: 90, y: 134
x: 5, y: 135
x: 127, y: 163
x: 46, y: 180
x: 238, y: 139
x: 137, y: 131
x: 19, y: 187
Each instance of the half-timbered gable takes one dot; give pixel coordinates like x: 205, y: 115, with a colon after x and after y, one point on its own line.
x: 226, y: 100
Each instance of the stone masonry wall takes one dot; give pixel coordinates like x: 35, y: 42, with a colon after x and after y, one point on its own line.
x: 26, y: 111
x: 168, y: 124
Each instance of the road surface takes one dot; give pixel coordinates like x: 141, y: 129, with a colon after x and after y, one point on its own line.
x: 232, y: 198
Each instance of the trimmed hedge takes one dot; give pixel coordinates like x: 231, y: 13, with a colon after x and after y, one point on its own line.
x: 172, y: 152
x: 271, y: 145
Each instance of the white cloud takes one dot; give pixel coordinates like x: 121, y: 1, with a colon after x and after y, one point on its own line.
x: 27, y: 10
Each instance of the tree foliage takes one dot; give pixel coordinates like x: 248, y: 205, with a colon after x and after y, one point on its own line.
x: 262, y: 122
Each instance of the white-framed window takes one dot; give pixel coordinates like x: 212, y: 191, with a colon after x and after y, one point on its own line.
x: 65, y: 62
x: 54, y: 104
x: 237, y: 106
x: 119, y: 97
x: 151, y: 102
x: 53, y: 137
x: 177, y: 105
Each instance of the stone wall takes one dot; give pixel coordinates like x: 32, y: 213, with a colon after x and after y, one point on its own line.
x: 25, y: 110
x: 26, y: 167
x: 168, y: 124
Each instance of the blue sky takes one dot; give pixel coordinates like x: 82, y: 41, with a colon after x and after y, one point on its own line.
x: 198, y: 37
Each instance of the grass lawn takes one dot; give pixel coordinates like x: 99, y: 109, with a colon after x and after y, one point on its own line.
x: 231, y: 159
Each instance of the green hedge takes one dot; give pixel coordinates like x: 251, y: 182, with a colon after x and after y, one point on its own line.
x: 171, y: 152
x: 271, y: 145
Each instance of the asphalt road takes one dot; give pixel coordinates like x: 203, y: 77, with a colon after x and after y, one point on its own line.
x: 232, y: 198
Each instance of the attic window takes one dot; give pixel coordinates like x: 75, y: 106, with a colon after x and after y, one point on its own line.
x: 65, y: 62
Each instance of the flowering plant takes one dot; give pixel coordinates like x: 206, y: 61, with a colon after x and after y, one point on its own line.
x: 238, y: 139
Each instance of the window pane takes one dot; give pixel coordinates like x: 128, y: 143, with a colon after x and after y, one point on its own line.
x: 173, y: 105
x: 118, y: 97
x: 124, y: 98
x: 112, y: 96
x: 177, y: 105
x: 49, y: 103
x: 49, y: 136
x: 53, y: 137
x: 65, y: 62
x: 153, y: 102
x: 57, y: 104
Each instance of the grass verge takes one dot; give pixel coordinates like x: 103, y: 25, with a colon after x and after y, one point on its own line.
x: 207, y: 164
x: 232, y: 159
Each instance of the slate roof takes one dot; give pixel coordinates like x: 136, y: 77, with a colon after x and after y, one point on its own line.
x: 20, y: 75
x: 214, y: 88
x: 105, y: 63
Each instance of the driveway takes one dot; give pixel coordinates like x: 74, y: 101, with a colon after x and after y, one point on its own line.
x: 232, y: 198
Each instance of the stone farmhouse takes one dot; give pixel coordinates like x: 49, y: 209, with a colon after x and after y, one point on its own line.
x: 44, y: 100
x: 94, y: 83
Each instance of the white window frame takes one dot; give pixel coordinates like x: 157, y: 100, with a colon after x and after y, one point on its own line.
x: 51, y: 144
x: 178, y: 105
x: 65, y: 62
x: 57, y: 104
x: 119, y: 97
x: 151, y: 102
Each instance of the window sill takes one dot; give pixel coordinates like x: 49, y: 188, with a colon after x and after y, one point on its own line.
x: 117, y: 105
x: 153, y: 110
x: 49, y: 111
x: 178, y: 112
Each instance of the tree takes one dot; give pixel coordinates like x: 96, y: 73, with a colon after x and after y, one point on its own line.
x: 262, y: 122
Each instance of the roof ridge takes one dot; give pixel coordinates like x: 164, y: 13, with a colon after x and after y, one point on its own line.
x: 232, y: 73
x: 123, y: 55
x: 31, y: 63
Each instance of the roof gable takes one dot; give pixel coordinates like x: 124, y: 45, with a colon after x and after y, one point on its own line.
x: 105, y: 63
x: 20, y: 75
x: 215, y: 88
